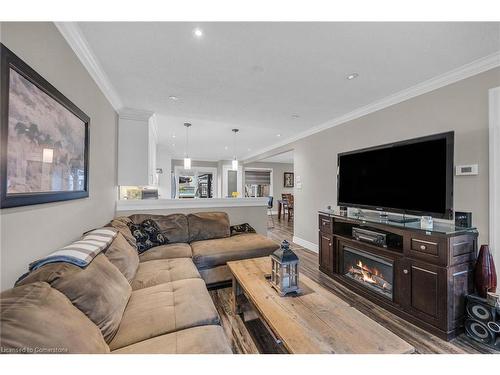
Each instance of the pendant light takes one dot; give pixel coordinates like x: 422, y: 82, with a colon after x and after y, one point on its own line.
x: 187, y: 159
x: 235, y: 159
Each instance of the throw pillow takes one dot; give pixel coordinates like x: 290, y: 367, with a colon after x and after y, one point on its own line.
x: 242, y: 228
x: 147, y: 235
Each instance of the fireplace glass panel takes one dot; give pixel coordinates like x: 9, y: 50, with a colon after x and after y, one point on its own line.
x: 369, y: 270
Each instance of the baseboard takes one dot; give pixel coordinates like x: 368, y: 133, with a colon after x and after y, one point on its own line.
x: 308, y: 245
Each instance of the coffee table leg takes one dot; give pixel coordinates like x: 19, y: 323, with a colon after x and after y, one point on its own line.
x: 237, y: 295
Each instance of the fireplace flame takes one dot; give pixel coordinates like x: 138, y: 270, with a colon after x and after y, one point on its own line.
x: 362, y: 272
x: 368, y: 272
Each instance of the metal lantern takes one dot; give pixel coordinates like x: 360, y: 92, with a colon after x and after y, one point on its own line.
x: 285, y: 270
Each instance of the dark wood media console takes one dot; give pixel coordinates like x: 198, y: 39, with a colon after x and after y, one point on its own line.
x: 421, y: 276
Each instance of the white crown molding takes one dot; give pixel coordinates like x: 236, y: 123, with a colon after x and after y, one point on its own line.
x: 304, y: 243
x: 73, y: 35
x: 136, y: 114
x: 463, y: 72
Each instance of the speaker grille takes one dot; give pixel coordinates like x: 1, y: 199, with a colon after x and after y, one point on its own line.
x: 479, y: 331
x: 494, y: 327
x: 479, y: 312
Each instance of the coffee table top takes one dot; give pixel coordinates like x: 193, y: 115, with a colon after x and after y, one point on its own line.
x: 316, y: 320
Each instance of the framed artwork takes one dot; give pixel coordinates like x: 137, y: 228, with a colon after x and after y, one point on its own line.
x: 44, y: 155
x: 288, y: 179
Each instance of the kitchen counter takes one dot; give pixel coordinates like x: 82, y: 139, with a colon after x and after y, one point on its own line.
x: 162, y: 204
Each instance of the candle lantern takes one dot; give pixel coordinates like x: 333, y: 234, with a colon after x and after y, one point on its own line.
x: 285, y: 270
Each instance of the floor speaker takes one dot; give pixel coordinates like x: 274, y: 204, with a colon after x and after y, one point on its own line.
x: 482, y: 322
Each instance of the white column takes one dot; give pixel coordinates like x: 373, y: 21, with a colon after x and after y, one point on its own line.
x: 494, y: 151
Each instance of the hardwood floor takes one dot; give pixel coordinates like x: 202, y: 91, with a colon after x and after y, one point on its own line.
x: 251, y: 337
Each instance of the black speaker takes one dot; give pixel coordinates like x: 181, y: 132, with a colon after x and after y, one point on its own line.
x: 463, y: 219
x: 482, y: 322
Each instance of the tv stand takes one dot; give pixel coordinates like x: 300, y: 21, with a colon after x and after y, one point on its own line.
x: 421, y: 275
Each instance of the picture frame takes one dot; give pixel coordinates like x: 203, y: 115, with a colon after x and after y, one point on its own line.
x: 44, y: 154
x: 288, y: 180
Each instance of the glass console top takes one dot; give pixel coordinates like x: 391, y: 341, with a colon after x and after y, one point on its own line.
x: 439, y: 227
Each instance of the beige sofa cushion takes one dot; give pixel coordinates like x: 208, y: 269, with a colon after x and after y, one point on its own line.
x: 123, y: 256
x: 165, y: 308
x: 169, y: 251
x: 121, y: 224
x: 161, y: 271
x: 208, y: 225
x: 197, y: 340
x: 36, y: 317
x: 217, y: 274
x: 212, y: 253
x: 100, y: 291
x: 174, y: 227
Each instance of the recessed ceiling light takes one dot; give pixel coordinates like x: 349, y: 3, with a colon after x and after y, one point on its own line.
x: 352, y: 76
x: 295, y: 116
x: 173, y: 97
x: 278, y: 135
x: 197, y: 32
x: 173, y: 136
x: 225, y: 147
x: 173, y: 144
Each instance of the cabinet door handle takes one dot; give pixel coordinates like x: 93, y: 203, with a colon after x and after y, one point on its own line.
x: 423, y: 247
x: 405, y: 272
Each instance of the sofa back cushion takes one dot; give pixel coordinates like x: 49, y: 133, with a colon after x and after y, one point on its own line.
x: 208, y: 225
x: 123, y: 256
x: 174, y: 227
x: 121, y: 224
x: 100, y: 290
x: 36, y: 318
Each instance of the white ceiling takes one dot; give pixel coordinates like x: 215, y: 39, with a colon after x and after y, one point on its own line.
x: 284, y: 157
x: 255, y: 76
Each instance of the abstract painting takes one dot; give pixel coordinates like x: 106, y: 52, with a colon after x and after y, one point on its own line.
x: 44, y: 139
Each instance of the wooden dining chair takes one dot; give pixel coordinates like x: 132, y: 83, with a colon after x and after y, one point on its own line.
x: 287, y: 200
x: 290, y: 206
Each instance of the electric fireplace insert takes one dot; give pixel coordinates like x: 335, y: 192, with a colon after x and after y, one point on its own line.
x: 373, y: 272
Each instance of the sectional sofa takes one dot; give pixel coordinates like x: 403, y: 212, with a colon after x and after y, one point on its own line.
x: 123, y: 302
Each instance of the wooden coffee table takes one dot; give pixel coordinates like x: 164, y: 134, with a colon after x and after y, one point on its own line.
x: 314, y: 321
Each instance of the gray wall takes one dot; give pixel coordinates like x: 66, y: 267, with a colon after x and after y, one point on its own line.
x: 30, y: 232
x: 462, y: 107
x: 278, y: 178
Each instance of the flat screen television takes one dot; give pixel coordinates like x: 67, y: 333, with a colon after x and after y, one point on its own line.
x: 410, y: 177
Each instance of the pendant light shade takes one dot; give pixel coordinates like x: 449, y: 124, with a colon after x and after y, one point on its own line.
x: 235, y: 159
x: 187, y: 159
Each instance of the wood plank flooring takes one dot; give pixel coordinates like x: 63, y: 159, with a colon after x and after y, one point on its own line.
x: 251, y: 337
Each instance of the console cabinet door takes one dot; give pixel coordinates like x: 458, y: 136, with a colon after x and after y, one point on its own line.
x: 425, y: 287
x: 326, y: 252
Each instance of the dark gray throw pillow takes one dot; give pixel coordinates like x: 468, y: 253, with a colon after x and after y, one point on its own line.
x: 147, y: 235
x: 242, y: 228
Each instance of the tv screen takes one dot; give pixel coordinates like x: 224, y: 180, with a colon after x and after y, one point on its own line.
x: 414, y: 177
